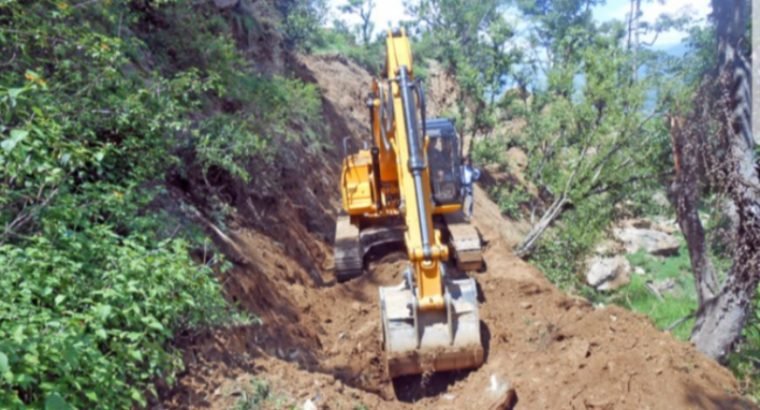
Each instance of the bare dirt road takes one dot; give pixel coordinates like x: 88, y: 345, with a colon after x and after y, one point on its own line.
x: 320, y: 341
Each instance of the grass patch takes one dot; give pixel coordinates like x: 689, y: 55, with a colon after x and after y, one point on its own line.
x: 259, y: 395
x: 679, y: 302
x: 675, y: 303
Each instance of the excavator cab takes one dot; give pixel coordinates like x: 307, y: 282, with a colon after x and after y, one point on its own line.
x: 443, y: 155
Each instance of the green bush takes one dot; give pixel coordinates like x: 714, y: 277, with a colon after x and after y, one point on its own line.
x: 562, y: 252
x: 86, y: 316
x: 98, y: 103
x: 275, y: 107
x: 510, y: 199
x: 488, y: 151
x: 339, y: 41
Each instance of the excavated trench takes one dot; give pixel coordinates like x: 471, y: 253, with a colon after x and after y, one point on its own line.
x: 384, y: 268
x: 322, y: 343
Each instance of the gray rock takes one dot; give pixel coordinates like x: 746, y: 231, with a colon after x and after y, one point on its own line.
x: 309, y: 405
x: 608, y: 273
x: 651, y: 240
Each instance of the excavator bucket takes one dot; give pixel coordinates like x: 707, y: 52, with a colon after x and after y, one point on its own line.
x: 419, y: 341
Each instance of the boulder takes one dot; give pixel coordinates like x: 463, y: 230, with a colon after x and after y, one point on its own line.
x: 609, y: 247
x: 608, y: 273
x: 652, y: 240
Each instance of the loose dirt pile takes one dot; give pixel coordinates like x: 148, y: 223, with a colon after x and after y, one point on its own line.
x: 320, y: 341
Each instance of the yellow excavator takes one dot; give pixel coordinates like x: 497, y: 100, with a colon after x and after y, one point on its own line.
x: 405, y: 188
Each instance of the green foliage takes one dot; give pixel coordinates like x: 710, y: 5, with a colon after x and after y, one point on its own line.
x: 339, y: 40
x: 473, y: 40
x: 663, y: 313
x: 561, y: 254
x: 488, y: 151
x: 259, y: 395
x: 302, y: 21
x: 280, y: 106
x: 98, y: 103
x: 590, y: 140
x: 745, y: 360
x: 87, y: 315
x: 560, y: 26
x: 676, y: 304
x: 510, y: 200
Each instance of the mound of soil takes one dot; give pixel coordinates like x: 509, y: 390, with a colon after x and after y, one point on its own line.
x: 319, y: 341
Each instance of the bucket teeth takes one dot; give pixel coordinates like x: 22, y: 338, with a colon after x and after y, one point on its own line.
x: 430, y: 341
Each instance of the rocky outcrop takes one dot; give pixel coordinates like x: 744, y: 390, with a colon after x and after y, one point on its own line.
x: 656, y: 239
x: 608, y: 268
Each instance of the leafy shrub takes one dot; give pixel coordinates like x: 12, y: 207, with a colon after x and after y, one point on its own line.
x: 277, y: 107
x: 86, y: 316
x: 488, y: 151
x: 510, y: 200
x: 561, y: 254
x: 302, y: 21
x: 339, y: 40
x: 97, y: 104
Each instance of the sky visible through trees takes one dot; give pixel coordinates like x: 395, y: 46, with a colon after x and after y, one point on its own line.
x: 389, y: 12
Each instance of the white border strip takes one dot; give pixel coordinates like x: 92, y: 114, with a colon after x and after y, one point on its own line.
x: 755, y: 70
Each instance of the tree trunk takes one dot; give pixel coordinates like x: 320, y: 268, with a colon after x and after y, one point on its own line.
x: 529, y: 242
x: 525, y: 248
x: 720, y: 320
x: 636, y: 39
x: 686, y: 191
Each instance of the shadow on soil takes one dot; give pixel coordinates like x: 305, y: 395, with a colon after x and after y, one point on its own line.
x: 410, y: 389
x: 698, y: 399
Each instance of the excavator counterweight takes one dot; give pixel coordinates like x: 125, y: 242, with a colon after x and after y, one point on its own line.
x: 406, y: 188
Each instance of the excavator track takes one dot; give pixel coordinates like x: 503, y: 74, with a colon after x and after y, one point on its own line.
x: 349, y: 255
x: 465, y: 242
x: 353, y: 244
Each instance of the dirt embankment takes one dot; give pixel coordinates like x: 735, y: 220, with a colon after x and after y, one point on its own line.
x: 319, y: 340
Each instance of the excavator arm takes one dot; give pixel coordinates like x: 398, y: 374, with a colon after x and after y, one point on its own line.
x: 423, y: 242
x: 430, y: 321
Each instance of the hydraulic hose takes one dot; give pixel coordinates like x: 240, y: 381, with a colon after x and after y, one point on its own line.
x: 416, y: 160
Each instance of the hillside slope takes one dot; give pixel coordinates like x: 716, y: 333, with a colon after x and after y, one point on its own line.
x: 319, y: 340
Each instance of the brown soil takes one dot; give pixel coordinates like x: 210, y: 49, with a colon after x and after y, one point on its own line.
x: 320, y: 341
